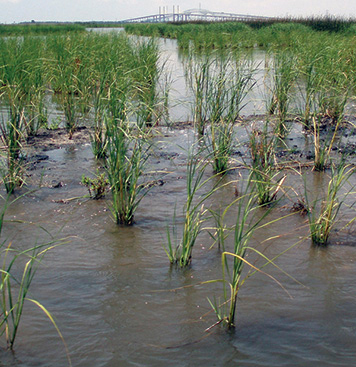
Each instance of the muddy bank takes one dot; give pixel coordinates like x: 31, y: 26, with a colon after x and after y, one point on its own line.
x: 296, y: 148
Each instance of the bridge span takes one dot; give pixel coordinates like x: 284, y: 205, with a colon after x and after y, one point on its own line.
x: 191, y: 16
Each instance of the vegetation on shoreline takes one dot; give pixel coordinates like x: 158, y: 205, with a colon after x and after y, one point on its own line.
x: 246, y: 34
x: 39, y: 29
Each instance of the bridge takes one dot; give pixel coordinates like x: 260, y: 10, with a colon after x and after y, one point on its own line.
x: 191, y: 16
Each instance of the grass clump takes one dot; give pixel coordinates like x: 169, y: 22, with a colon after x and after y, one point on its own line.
x: 180, y: 251
x: 264, y: 175
x: 11, y: 136
x: 124, y: 164
x: 13, y: 291
x: 146, y: 75
x: 233, y: 262
x: 323, y: 147
x: 17, y: 271
x: 323, y: 212
x: 219, y: 85
x: 219, y: 140
x: 280, y: 88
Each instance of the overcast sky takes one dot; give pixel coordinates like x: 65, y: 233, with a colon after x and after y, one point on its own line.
x: 78, y: 10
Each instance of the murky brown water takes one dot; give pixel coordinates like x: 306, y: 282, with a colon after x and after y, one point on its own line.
x: 118, y: 302
x: 116, y: 299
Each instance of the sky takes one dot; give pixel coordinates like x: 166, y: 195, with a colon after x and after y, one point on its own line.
x: 112, y: 10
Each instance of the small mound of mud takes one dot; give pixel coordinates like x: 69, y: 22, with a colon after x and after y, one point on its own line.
x: 55, y: 139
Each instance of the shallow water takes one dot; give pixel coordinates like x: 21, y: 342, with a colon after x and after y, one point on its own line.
x: 118, y: 302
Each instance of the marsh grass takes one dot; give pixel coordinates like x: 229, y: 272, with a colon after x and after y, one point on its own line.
x: 207, y: 77
x: 280, y: 86
x: 219, y: 84
x: 309, y: 83
x: 221, y: 231
x: 322, y: 148
x: 335, y: 86
x: 103, y: 74
x: 99, y: 138
x: 124, y: 165
x: 14, y: 289
x: 323, y: 211
x: 119, y: 93
x: 34, y: 84
x: 219, y: 140
x: 233, y: 262
x: 198, y: 76
x: 13, y: 88
x: 110, y: 104
x: 249, y: 219
x: 179, y: 250
x: 11, y: 136
x: 38, y: 29
x: 246, y: 34
x: 99, y: 95
x: 65, y: 67
x: 12, y: 173
x: 227, y: 98
x: 264, y: 175
x: 241, y: 81
x: 146, y: 74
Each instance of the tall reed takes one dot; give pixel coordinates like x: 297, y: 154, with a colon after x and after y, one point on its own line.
x: 309, y: 82
x: 146, y: 73
x: 219, y: 84
x: 219, y: 140
x: 12, y: 172
x: 179, y: 251
x: 65, y: 67
x: 12, y: 127
x: 124, y: 164
x: 264, y: 175
x: 335, y: 88
x: 247, y: 222
x: 35, y: 84
x: 112, y: 86
x: 198, y: 76
x: 14, y: 290
x: 322, y: 148
x: 284, y: 75
x: 323, y: 211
